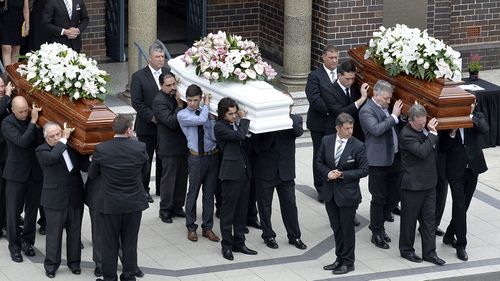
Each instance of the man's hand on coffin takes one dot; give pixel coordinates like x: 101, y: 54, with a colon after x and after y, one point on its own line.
x: 396, y: 110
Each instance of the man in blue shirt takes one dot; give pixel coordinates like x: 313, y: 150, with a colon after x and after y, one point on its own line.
x: 203, y: 161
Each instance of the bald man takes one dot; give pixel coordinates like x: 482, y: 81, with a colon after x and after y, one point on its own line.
x: 23, y: 176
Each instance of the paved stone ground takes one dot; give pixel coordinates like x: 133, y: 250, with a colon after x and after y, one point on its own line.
x: 166, y: 254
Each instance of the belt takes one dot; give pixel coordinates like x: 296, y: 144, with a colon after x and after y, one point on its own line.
x: 212, y: 152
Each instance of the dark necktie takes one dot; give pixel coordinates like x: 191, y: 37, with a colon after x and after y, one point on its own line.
x: 347, y: 93
x: 201, y: 135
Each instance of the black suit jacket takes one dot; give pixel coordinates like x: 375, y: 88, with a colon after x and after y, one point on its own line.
x: 22, y: 138
x: 275, y: 152
x: 61, y: 188
x: 171, y: 139
x: 318, y: 85
x: 337, y: 102
x: 55, y: 18
x: 459, y: 155
x: 232, y: 144
x: 143, y: 90
x: 4, y: 112
x: 120, y: 163
x: 418, y: 159
x: 353, y: 164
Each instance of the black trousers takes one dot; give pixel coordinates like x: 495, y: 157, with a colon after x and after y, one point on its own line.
x: 316, y: 137
x: 252, y: 212
x: 3, y: 202
x: 418, y: 206
x: 151, y: 145
x: 173, y: 183
x: 56, y: 221
x: 383, y: 184
x: 288, y: 206
x: 203, y: 171
x: 441, y: 188
x: 119, y: 229
x: 342, y: 223
x: 18, y: 193
x: 462, y: 190
x: 233, y: 211
x: 96, y: 237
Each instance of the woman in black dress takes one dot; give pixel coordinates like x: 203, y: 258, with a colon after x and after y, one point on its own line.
x: 11, y: 29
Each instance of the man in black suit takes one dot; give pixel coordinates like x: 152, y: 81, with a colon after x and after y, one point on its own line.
x: 275, y: 168
x: 66, y: 20
x: 346, y: 97
x: 5, y: 93
x: 464, y: 162
x: 235, y: 173
x: 172, y: 148
x: 320, y: 83
x: 120, y: 163
x: 144, y: 86
x: 342, y: 162
x: 23, y: 175
x: 62, y: 197
x: 418, y: 186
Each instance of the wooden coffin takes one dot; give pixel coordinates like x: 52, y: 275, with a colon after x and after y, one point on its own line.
x: 91, y: 119
x: 267, y: 108
x: 442, y: 99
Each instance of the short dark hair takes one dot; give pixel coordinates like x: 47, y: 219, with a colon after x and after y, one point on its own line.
x: 346, y: 66
x: 224, y: 105
x: 330, y: 48
x: 343, y: 118
x: 122, y: 123
x: 193, y: 91
x: 164, y: 76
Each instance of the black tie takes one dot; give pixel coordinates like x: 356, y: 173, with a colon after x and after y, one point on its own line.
x: 201, y: 135
x: 347, y: 93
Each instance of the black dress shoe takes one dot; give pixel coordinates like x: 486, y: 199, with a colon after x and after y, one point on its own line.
x: 412, y: 257
x: 16, y: 257
x: 150, y: 199
x: 271, y: 243
x: 41, y: 230
x: 397, y: 211
x: 98, y: 271
x: 378, y: 241
x: 50, y: 274
x: 139, y: 273
x: 255, y: 224
x: 387, y: 239
x: 462, y: 254
x: 435, y: 260
x: 298, y: 244
x: 166, y: 218
x: 332, y: 266
x: 179, y: 213
x: 343, y: 269
x: 244, y: 250
x: 227, y: 254
x: 247, y: 230
x: 76, y: 270
x: 28, y: 250
x: 439, y: 232
x: 356, y: 221
x: 450, y: 241
x: 389, y: 218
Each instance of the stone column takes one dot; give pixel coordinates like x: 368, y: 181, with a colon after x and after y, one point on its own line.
x: 296, y: 44
x: 142, y: 27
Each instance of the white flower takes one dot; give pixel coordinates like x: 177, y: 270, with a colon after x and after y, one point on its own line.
x: 215, y: 76
x: 250, y: 73
x: 206, y: 75
x: 78, y: 84
x: 258, y: 68
x: 245, y: 64
x: 242, y: 76
x: 48, y: 88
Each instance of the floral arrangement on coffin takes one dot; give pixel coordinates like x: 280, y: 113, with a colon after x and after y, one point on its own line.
x: 412, y: 51
x: 221, y: 57
x: 58, y: 69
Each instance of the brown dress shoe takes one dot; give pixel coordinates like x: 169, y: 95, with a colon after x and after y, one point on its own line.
x: 192, y: 236
x: 210, y: 235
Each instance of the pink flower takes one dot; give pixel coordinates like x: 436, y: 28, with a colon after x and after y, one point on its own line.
x: 242, y: 76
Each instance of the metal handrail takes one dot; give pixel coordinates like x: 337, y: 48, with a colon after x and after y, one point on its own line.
x: 164, y: 48
x: 140, y: 51
x: 2, y: 68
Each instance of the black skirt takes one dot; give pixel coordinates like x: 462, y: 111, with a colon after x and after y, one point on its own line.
x: 11, y: 23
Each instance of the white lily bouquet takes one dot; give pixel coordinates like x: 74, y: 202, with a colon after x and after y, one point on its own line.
x: 412, y: 51
x: 220, y: 57
x: 58, y: 69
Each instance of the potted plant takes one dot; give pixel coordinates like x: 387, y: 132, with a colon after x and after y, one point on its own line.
x: 474, y: 67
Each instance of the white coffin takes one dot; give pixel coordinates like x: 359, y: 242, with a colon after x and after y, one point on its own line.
x: 267, y: 107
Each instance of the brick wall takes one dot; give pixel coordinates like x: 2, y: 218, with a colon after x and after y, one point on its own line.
x: 344, y: 24
x: 234, y: 16
x: 93, y: 38
x: 271, y: 29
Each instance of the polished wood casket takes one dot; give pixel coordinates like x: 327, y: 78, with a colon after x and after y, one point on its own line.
x: 442, y: 98
x: 91, y: 119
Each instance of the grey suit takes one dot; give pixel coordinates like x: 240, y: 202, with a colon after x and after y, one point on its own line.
x: 384, y: 162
